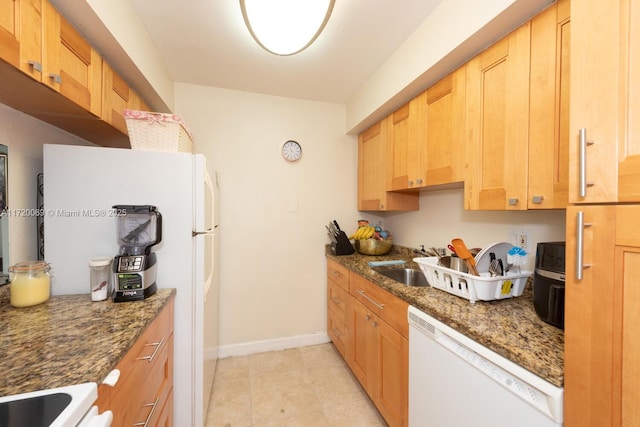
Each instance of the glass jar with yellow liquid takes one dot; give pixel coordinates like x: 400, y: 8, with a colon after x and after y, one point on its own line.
x: 30, y: 283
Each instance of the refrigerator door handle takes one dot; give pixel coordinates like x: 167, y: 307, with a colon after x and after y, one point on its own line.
x: 208, y: 231
x: 209, y: 185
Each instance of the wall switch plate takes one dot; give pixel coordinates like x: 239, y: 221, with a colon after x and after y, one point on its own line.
x: 520, y: 238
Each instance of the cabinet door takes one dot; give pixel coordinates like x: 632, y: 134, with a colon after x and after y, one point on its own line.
x: 602, y: 334
x: 371, y: 167
x: 407, y: 136
x: 627, y: 267
x: 497, y: 96
x: 31, y: 36
x: 373, y: 155
x: 605, y: 102
x: 10, y: 32
x: 549, y: 109
x: 362, y: 344
x: 589, y: 327
x: 392, y: 377
x: 116, y: 97
x: 71, y: 66
x: 446, y: 130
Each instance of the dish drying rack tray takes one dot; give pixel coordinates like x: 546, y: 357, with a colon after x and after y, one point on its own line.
x: 468, y: 286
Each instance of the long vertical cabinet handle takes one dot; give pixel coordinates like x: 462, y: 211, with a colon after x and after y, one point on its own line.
x: 580, y: 226
x: 582, y: 136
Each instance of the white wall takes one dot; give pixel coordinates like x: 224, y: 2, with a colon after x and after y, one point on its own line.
x: 272, y: 272
x: 442, y: 217
x: 444, y: 41
x: 25, y: 136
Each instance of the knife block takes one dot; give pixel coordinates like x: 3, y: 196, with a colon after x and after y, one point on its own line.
x: 342, y: 245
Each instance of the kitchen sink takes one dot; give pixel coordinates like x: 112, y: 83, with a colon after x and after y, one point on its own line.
x: 407, y: 276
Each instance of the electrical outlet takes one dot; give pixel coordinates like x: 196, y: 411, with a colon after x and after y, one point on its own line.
x: 519, y: 238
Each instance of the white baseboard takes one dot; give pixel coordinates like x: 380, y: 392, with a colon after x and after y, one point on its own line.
x: 272, y: 345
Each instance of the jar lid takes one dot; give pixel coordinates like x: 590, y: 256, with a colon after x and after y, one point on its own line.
x: 27, y: 266
x: 100, y: 262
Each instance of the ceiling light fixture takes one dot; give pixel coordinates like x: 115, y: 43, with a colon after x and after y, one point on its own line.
x: 285, y: 27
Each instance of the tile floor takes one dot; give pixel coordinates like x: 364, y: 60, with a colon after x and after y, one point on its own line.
x: 303, y: 387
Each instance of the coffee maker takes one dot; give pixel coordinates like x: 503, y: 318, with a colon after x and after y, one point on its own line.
x: 134, y: 268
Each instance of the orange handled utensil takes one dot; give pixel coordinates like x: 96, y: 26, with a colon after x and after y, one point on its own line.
x: 463, y: 252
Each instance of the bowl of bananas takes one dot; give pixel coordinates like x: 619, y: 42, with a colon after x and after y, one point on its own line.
x: 371, y: 240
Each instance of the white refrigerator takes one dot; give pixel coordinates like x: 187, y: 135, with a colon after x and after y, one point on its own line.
x: 81, y: 184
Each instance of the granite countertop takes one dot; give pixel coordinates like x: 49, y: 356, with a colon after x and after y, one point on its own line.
x: 68, y: 339
x: 509, y: 327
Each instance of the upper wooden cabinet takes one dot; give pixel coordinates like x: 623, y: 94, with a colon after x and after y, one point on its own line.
x: 408, y: 140
x: 30, y: 24
x: 373, y: 173
x: 605, y: 102
x: 427, y: 136
x: 445, y: 129
x: 10, y: 32
x: 49, y: 71
x: 70, y: 65
x: 497, y: 95
x: 549, y: 108
x: 116, y: 97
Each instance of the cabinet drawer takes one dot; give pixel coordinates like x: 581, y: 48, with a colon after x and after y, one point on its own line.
x: 338, y: 273
x: 165, y: 418
x: 146, y: 372
x: 337, y: 330
x: 156, y: 389
x: 337, y: 299
x: 388, y: 307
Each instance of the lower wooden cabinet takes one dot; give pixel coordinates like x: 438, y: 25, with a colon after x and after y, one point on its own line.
x: 143, y: 394
x: 602, y: 332
x: 369, y: 327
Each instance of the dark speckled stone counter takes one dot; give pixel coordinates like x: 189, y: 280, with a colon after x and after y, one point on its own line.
x: 69, y: 339
x: 509, y: 327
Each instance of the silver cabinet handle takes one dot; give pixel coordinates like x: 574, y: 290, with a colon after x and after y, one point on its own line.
x: 580, y: 226
x: 153, y: 355
x: 36, y: 65
x: 380, y: 306
x: 537, y: 199
x: 513, y: 201
x: 419, y: 181
x: 410, y: 183
x: 336, y: 301
x: 153, y: 409
x: 582, y: 158
x: 57, y: 78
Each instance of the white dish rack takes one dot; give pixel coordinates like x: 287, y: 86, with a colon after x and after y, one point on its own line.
x: 473, y: 288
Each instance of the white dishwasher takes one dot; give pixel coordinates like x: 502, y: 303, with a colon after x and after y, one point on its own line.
x: 456, y: 382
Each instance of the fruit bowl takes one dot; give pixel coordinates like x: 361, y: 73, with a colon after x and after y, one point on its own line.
x: 373, y: 246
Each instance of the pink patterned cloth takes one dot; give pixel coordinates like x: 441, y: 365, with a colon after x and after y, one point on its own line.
x: 153, y: 117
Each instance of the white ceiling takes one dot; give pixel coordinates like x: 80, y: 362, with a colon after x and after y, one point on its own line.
x: 205, y: 42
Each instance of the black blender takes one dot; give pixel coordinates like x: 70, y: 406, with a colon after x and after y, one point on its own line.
x: 139, y: 229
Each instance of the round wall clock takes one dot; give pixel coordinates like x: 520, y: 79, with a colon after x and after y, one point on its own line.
x: 291, y: 151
